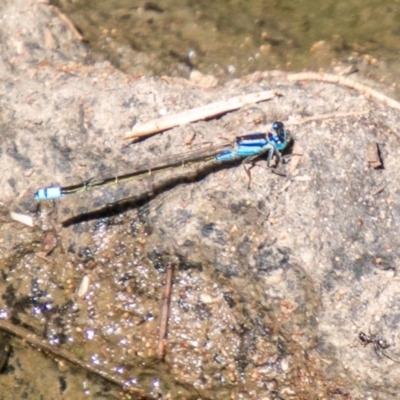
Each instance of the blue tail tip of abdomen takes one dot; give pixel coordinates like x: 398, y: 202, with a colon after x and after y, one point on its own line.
x: 48, y: 193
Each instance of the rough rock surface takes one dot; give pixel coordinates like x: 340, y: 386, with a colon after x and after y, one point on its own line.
x: 274, y: 278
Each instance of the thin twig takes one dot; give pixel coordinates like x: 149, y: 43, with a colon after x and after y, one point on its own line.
x: 69, y: 24
x: 165, y: 313
x: 343, y: 81
x: 41, y: 344
x: 199, y: 113
x: 319, y: 117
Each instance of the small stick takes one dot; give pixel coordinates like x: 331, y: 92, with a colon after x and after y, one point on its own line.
x: 199, y: 113
x: 41, y: 344
x: 341, y: 80
x: 324, y: 116
x: 373, y: 155
x: 69, y: 24
x: 165, y: 313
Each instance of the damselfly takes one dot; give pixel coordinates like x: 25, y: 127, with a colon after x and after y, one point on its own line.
x: 246, y: 147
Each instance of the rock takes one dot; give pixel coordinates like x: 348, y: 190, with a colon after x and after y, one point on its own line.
x: 292, y: 267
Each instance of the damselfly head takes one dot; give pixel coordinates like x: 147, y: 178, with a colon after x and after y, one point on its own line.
x: 277, y: 126
x: 281, y: 133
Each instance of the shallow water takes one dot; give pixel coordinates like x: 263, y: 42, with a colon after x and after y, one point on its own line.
x: 237, y: 37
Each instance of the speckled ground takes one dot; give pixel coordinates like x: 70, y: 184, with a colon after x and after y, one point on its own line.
x: 273, y: 281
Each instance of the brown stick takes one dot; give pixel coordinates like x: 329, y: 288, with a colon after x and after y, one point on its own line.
x: 343, y: 81
x: 69, y: 24
x: 41, y: 344
x: 320, y: 117
x: 165, y: 313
